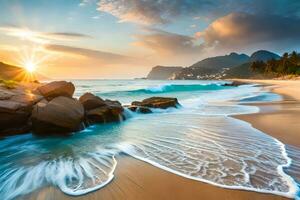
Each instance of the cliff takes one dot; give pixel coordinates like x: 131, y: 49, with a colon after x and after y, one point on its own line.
x: 163, y: 72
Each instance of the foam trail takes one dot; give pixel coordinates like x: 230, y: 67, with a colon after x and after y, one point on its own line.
x: 217, y: 154
x: 73, y: 176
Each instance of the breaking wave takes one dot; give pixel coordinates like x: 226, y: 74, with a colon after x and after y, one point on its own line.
x: 168, y: 88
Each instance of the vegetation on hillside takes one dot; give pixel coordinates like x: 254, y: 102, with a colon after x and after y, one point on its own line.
x: 9, y: 84
x: 288, y: 64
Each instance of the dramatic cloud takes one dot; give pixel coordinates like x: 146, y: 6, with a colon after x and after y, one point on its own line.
x: 103, y: 57
x: 166, y: 43
x: 158, y: 11
x: 170, y: 48
x: 40, y: 37
x: 151, y: 12
x: 234, y: 32
x: 238, y: 29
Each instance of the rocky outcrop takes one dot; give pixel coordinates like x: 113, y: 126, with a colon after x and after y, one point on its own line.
x: 90, y: 101
x: 98, y: 110
x: 56, y: 89
x: 234, y: 84
x: 163, y: 72
x: 157, y: 102
x: 60, y: 115
x: 139, y: 109
x: 15, y: 110
x: 50, y: 109
x: 14, y: 117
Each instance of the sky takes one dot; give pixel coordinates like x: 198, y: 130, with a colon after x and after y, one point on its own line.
x: 105, y: 39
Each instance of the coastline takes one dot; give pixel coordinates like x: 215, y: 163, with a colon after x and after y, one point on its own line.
x: 278, y: 119
x: 140, y: 180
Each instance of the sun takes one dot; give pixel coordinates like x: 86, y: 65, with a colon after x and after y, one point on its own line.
x: 30, y: 66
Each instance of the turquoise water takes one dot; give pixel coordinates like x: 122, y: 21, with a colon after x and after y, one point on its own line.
x: 198, y: 141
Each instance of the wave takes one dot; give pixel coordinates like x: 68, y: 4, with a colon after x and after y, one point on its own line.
x: 167, y: 88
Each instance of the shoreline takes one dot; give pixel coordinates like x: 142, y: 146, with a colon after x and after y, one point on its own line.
x: 278, y: 119
x: 135, y: 179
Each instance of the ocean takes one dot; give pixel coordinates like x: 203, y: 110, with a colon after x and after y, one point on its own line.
x: 199, y: 140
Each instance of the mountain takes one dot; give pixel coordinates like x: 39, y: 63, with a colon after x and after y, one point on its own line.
x: 244, y: 70
x: 211, y: 68
x: 241, y: 71
x: 263, y: 55
x: 222, y: 61
x: 11, y: 72
x: 163, y: 72
x: 233, y: 65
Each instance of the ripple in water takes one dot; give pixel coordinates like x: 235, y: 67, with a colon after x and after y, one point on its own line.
x: 219, y: 150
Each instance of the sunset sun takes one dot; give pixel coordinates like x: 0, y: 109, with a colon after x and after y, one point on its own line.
x: 30, y: 66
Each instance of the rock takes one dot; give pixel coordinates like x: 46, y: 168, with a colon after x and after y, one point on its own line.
x: 234, y: 84
x: 90, y: 101
x: 56, y: 89
x: 157, y: 102
x: 58, y: 116
x: 14, y: 117
x: 5, y: 94
x: 111, y: 111
x: 15, y: 110
x: 140, y: 109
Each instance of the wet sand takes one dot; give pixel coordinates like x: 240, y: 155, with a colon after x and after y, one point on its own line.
x: 280, y: 120
x: 136, y: 180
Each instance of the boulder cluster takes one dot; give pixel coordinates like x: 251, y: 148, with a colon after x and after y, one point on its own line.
x: 52, y: 109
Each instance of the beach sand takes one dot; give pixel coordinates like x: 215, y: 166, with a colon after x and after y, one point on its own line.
x: 280, y: 120
x: 136, y: 180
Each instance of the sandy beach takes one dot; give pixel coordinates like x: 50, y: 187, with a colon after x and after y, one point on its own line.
x: 281, y: 120
x: 139, y: 180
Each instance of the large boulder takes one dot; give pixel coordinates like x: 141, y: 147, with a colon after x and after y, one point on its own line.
x: 14, y: 117
x: 234, y: 84
x: 112, y: 111
x: 58, y: 116
x: 157, y: 102
x: 90, y: 101
x: 15, y: 110
x: 139, y: 109
x: 56, y: 89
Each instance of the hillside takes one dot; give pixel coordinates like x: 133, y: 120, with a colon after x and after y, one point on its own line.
x: 210, y: 68
x: 221, y: 61
x: 263, y: 55
x: 163, y: 72
x: 11, y: 72
x: 229, y: 66
x: 244, y: 70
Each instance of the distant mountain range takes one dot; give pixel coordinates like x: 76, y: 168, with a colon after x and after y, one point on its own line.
x: 229, y: 66
x: 11, y: 72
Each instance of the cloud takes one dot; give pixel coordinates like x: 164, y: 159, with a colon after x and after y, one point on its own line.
x: 166, y: 43
x: 234, y: 32
x: 101, y: 56
x: 93, y: 63
x: 151, y: 12
x: 159, y: 12
x: 242, y: 29
x: 41, y: 37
